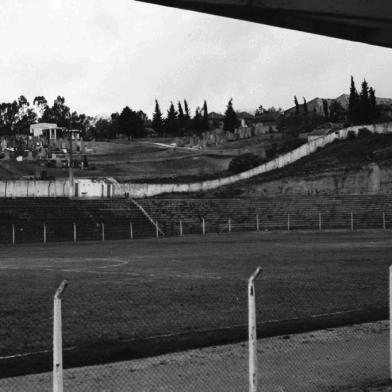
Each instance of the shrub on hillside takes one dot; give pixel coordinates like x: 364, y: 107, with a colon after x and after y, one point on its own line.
x: 363, y: 133
x: 351, y: 135
x: 245, y: 162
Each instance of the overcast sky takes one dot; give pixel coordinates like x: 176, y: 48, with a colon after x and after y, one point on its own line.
x: 102, y: 55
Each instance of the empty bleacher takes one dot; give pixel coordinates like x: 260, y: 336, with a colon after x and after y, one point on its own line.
x: 25, y: 219
x: 272, y: 213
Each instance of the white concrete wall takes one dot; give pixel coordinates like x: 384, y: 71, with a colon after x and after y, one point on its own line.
x: 148, y: 190
x: 32, y: 188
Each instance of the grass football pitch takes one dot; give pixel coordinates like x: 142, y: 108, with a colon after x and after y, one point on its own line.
x: 121, y: 291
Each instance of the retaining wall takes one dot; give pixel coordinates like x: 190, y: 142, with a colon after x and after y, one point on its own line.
x: 148, y: 190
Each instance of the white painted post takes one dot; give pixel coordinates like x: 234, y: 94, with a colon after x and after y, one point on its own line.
x: 44, y: 233
x: 252, y: 331
x: 103, y: 231
x: 204, y: 226
x: 390, y: 322
x: 352, y: 221
x: 156, y: 230
x: 131, y: 230
x: 288, y: 222
x: 320, y: 227
x: 74, y: 232
x: 229, y: 225
x: 57, y: 341
x: 257, y: 223
x: 384, y: 226
x: 181, y: 232
x: 13, y: 234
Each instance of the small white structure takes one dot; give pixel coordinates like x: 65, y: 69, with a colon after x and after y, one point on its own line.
x: 40, y: 129
x: 93, y: 188
x: 51, y: 131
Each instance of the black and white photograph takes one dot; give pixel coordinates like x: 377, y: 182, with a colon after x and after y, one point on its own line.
x: 196, y: 196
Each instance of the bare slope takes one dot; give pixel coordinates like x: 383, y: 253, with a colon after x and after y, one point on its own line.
x: 344, y: 166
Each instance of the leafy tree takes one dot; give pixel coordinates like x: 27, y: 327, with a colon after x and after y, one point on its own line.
x: 230, y: 121
x: 40, y: 104
x: 114, y: 124
x: 125, y: 122
x: 59, y: 113
x: 337, y: 113
x: 157, y: 121
x: 132, y: 123
x: 103, y: 129
x: 24, y: 117
x: 259, y: 111
x: 82, y: 123
x: 296, y: 105
x: 273, y: 110
x: 8, y: 113
x: 205, y: 123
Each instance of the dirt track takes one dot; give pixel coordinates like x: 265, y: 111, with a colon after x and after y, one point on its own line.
x: 340, y: 359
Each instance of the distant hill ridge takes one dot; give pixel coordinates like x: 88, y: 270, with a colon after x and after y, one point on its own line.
x: 343, y: 99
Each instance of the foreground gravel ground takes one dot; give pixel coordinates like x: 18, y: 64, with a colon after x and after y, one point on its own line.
x: 349, y: 359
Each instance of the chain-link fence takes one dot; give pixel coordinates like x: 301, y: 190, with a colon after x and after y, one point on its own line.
x: 120, y: 228
x: 46, y: 221
x: 188, y: 331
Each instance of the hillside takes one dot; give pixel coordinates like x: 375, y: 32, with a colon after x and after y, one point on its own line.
x: 143, y: 160
x: 361, y: 165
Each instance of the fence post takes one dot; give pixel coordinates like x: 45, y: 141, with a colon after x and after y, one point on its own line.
x: 74, y: 232
x: 229, y: 223
x: 390, y: 322
x: 352, y: 221
x: 156, y: 230
x: 103, y: 231
x: 181, y: 232
x: 13, y: 234
x: 57, y: 341
x: 384, y: 226
x: 204, y: 226
x: 252, y: 331
x: 131, y: 230
x: 320, y: 227
x: 44, y: 233
x: 288, y: 222
x: 257, y: 223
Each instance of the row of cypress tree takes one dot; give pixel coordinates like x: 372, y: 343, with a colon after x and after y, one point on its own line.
x: 362, y: 107
x: 179, y: 121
